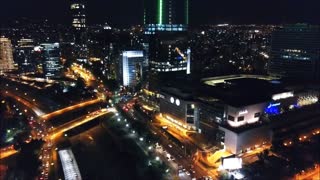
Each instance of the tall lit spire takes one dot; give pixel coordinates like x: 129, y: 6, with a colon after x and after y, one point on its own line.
x: 160, y: 11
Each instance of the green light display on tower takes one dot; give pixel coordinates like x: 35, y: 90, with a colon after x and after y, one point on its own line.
x: 160, y: 11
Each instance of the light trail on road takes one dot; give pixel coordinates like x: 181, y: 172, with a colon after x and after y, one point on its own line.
x: 35, y: 109
x: 7, y: 153
x: 79, y: 121
x: 70, y: 108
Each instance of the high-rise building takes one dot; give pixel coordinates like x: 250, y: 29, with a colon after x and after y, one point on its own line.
x: 6, y: 56
x: 78, y: 14
x: 166, y: 15
x: 51, y: 60
x: 166, y: 24
x: 131, y: 68
x: 23, y: 55
x: 166, y: 12
x: 295, y: 52
x: 169, y: 52
x: 78, y: 11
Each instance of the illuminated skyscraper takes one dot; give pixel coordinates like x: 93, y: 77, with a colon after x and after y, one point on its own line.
x: 166, y: 24
x: 23, y: 55
x: 166, y: 12
x: 51, y: 59
x: 78, y: 10
x: 6, y: 56
x: 295, y: 52
x: 78, y: 14
x: 131, y: 67
x: 166, y: 15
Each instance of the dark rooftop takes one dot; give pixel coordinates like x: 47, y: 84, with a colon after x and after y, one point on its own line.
x: 236, y: 90
x: 242, y: 92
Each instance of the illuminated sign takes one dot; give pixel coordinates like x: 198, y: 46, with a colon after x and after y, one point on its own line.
x: 232, y: 163
x: 273, y: 109
x: 274, y: 105
x: 243, y: 112
x: 307, y: 100
x: 131, y: 54
x: 172, y: 100
x: 177, y: 102
x: 282, y: 95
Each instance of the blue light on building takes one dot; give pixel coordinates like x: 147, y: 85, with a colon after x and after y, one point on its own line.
x: 273, y: 109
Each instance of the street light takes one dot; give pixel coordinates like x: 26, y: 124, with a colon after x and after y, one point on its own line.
x: 141, y: 139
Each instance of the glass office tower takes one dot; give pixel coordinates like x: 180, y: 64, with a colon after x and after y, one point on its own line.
x: 166, y: 24
x: 51, y: 60
x: 295, y: 52
x: 131, y: 68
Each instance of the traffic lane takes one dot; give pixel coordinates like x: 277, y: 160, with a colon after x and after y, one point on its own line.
x: 182, y: 159
x: 23, y: 100
x: 77, y: 122
x: 177, y: 152
x: 69, y: 108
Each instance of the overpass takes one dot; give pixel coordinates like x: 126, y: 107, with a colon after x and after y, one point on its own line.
x: 78, y: 122
x: 69, y: 108
x: 25, y: 102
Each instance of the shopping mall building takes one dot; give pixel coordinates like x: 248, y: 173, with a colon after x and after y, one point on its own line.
x: 235, y: 112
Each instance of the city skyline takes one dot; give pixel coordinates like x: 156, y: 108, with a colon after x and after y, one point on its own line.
x: 125, y: 13
x: 160, y: 90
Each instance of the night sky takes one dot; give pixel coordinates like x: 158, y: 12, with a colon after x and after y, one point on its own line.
x: 129, y: 12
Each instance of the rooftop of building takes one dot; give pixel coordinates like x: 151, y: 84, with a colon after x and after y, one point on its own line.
x: 234, y: 90
x: 177, y: 92
x: 242, y: 90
